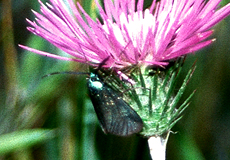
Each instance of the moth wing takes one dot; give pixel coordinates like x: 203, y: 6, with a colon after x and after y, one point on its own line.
x: 114, y: 114
x: 125, y: 121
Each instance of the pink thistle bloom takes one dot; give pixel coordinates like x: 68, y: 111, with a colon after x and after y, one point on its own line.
x: 127, y: 35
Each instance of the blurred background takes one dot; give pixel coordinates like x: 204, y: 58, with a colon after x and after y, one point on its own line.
x: 53, y: 118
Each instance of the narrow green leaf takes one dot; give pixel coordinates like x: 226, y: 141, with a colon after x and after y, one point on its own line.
x: 23, y: 139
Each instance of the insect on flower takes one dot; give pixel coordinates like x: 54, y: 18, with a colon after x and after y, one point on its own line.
x: 129, y: 35
x: 115, y: 115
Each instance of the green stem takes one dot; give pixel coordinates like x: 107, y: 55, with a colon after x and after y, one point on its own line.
x: 10, y: 55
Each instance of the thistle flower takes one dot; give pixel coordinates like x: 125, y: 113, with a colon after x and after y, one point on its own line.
x: 132, y: 40
x: 128, y: 34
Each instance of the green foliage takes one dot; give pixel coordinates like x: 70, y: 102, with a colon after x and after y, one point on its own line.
x: 23, y: 139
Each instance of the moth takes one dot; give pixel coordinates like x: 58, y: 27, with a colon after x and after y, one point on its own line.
x: 114, y: 114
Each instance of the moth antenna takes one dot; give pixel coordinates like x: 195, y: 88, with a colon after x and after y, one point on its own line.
x: 65, y: 72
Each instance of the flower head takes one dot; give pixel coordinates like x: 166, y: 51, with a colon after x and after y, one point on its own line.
x: 128, y: 34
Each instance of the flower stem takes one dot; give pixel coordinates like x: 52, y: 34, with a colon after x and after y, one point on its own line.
x: 157, y: 146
